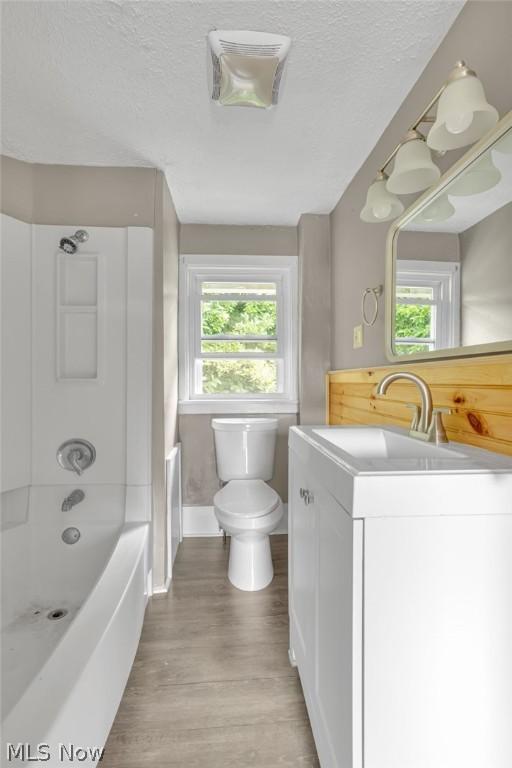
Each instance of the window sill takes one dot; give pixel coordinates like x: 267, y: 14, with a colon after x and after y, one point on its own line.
x: 237, y: 406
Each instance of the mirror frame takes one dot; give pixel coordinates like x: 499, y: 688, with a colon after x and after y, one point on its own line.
x: 504, y: 125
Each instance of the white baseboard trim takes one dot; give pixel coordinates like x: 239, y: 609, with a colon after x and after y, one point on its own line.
x: 164, y: 588
x: 201, y: 521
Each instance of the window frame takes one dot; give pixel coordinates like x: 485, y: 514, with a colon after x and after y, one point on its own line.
x: 196, y: 269
x: 444, y: 278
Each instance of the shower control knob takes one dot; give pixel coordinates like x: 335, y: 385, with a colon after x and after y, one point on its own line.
x: 76, y: 455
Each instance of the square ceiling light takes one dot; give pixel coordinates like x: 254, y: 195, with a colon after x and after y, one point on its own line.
x: 247, y: 67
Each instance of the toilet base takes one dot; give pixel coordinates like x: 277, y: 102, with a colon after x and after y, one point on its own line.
x: 250, y: 562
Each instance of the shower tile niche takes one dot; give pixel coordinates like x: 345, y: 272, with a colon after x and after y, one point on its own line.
x: 78, y: 316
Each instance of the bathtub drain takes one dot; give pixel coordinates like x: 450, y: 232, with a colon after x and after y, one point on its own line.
x: 57, y: 613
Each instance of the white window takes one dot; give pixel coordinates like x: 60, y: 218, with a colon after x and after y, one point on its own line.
x: 427, y: 306
x: 238, y: 332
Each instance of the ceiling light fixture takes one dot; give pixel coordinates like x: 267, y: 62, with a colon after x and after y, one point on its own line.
x: 247, y: 67
x: 463, y: 117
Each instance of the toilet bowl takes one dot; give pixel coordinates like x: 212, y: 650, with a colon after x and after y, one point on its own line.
x: 246, y: 507
x: 249, y: 510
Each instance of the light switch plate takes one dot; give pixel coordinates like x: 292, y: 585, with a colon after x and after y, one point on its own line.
x: 358, y: 336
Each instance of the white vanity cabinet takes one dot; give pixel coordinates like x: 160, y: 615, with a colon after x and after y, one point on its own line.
x: 325, y: 552
x: 401, y: 623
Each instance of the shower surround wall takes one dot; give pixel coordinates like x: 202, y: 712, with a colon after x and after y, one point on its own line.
x: 91, y: 354
x: 76, y: 359
x: 89, y: 197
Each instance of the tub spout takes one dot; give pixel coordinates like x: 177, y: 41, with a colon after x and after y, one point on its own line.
x: 75, y: 497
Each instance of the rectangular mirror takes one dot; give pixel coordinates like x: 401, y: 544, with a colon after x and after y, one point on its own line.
x: 449, y: 260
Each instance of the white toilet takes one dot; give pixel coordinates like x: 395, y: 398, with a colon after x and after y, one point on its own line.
x: 246, y: 507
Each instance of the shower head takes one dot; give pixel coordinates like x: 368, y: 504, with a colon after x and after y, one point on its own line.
x: 70, y: 244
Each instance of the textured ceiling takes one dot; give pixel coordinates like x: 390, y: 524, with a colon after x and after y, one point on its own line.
x: 124, y: 83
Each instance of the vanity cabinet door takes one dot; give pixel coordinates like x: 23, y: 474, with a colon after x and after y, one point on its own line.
x: 302, y: 571
x: 338, y: 678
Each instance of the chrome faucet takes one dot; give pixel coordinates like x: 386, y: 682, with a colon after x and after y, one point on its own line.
x: 75, y: 497
x: 427, y: 421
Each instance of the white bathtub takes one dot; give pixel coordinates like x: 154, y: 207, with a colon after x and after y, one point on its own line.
x: 62, y: 680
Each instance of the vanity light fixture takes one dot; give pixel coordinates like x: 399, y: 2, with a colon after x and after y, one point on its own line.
x: 463, y: 113
x: 481, y: 176
x: 413, y: 170
x: 463, y: 117
x: 381, y: 204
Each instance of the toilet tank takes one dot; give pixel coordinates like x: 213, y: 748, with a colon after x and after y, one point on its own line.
x: 245, y: 448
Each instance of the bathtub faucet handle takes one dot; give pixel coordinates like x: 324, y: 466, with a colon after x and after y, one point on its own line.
x: 74, y: 459
x: 76, y: 455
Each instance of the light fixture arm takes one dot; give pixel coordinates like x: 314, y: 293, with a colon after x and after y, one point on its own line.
x: 460, y: 70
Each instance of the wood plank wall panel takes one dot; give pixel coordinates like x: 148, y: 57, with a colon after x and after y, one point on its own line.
x: 478, y: 390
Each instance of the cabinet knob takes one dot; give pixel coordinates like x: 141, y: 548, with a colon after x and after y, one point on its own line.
x: 302, y: 492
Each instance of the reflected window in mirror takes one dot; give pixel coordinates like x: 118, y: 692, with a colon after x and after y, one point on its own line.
x: 427, y: 309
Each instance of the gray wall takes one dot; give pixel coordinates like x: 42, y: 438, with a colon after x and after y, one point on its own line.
x: 77, y: 194
x: 165, y: 363
x: 117, y: 197
x: 486, y: 273
x: 252, y: 241
x: 315, y: 304
x: 428, y: 246
x: 481, y: 36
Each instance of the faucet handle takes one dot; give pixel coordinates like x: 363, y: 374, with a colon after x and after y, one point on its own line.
x: 436, y: 429
x: 415, y: 416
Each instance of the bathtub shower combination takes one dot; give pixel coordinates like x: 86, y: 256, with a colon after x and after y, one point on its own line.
x: 71, y: 627
x: 76, y: 473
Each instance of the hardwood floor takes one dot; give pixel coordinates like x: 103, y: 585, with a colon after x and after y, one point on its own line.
x: 211, y: 686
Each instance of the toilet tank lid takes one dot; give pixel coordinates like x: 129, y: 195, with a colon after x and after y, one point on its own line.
x: 245, y: 425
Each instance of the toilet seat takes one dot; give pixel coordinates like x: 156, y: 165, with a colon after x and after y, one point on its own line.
x: 246, y: 498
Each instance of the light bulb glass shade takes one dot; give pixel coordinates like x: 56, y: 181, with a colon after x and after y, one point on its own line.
x: 463, y: 115
x: 479, y: 177
x: 504, y: 145
x: 380, y: 205
x: 413, y: 169
x: 439, y: 210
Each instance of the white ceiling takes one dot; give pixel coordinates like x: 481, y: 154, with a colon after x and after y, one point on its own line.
x: 124, y: 83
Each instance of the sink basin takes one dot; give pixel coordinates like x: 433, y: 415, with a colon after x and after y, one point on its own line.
x: 376, y: 471
x: 377, y: 443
